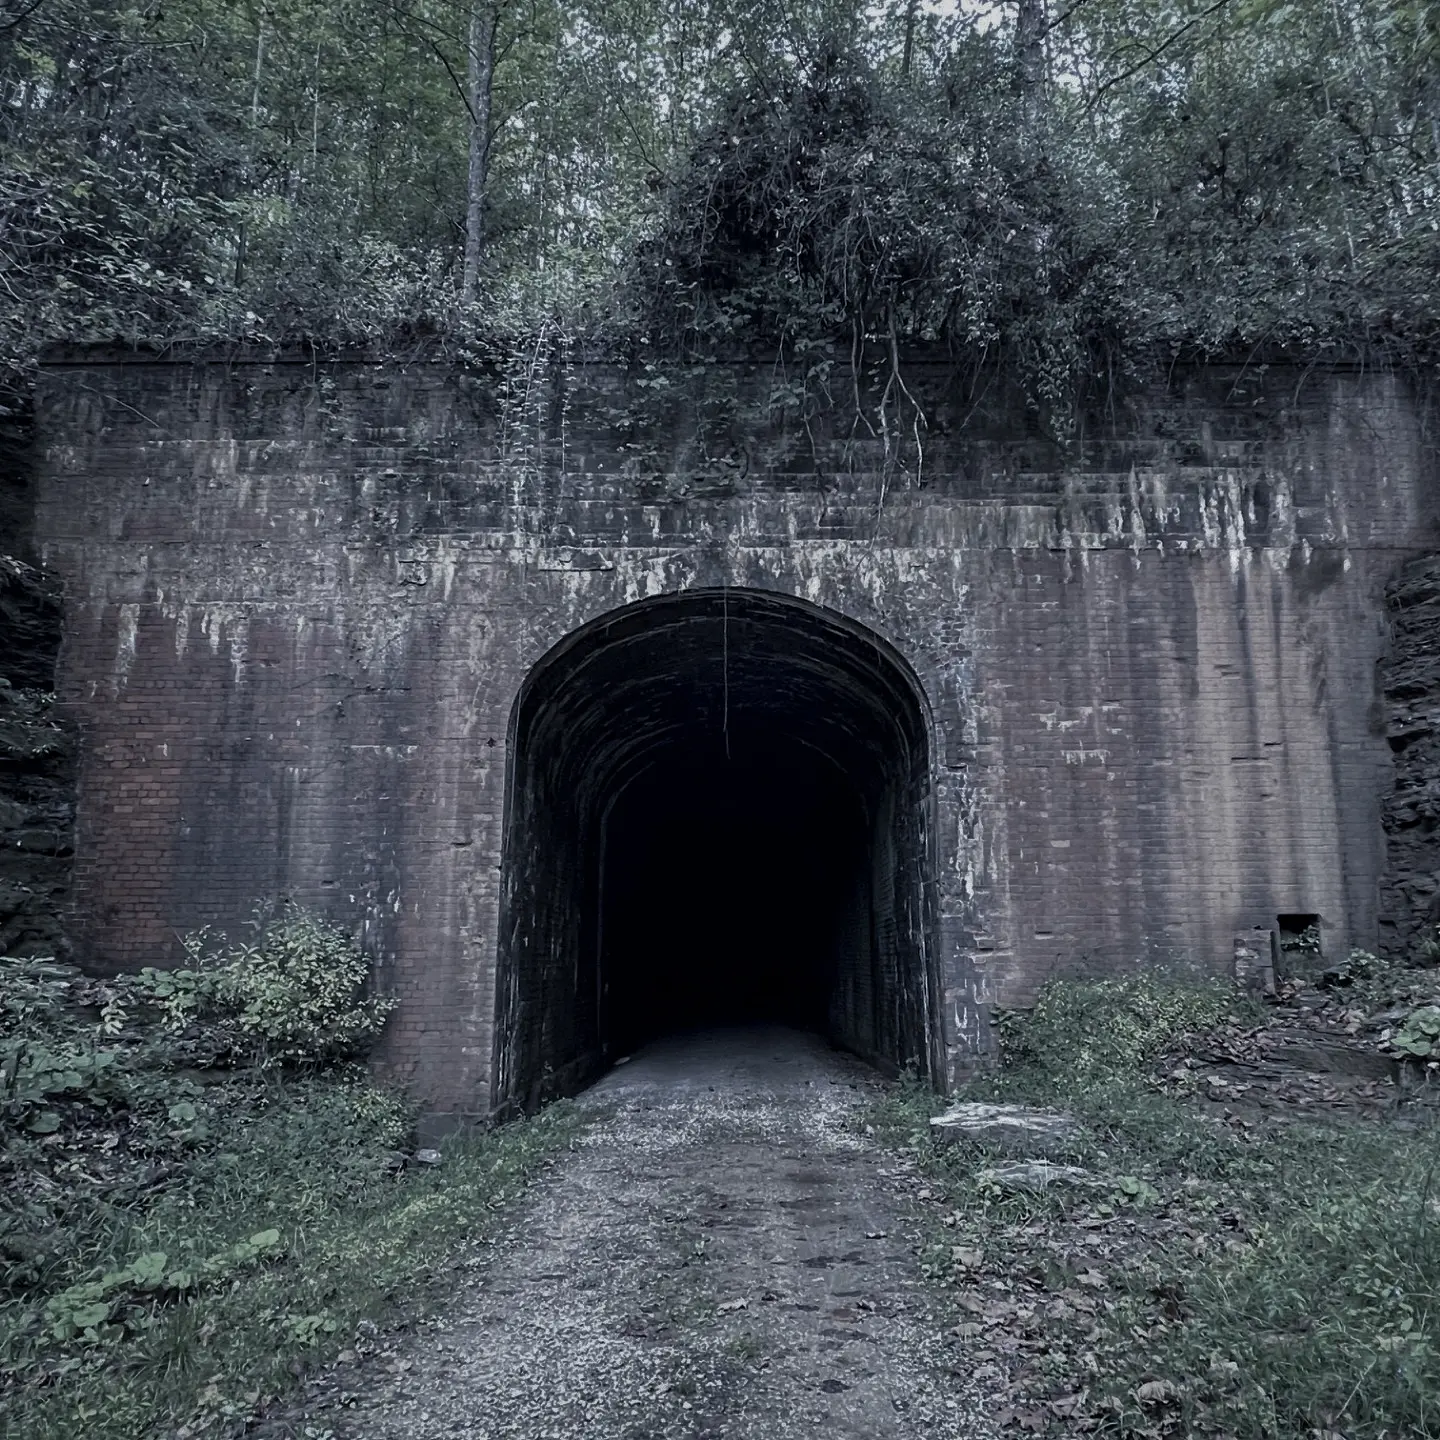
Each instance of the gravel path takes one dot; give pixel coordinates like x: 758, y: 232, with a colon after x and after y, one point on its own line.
x: 723, y: 1254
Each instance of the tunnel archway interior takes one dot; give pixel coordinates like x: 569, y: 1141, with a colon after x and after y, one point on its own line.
x: 719, y: 813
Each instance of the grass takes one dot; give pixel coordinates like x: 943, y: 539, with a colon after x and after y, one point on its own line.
x: 355, y: 1244
x: 1227, y: 1277
x: 179, y: 1246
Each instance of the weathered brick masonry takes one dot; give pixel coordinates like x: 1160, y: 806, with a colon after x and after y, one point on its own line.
x: 302, y: 602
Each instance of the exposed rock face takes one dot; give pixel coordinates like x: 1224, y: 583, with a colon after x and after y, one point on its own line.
x: 1410, y: 678
x: 37, y: 800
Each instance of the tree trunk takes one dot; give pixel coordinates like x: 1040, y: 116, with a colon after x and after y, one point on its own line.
x: 910, y: 11
x: 242, y: 240
x: 1030, y: 28
x: 479, y: 77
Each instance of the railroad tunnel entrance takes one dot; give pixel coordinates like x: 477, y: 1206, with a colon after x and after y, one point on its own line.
x: 718, y: 813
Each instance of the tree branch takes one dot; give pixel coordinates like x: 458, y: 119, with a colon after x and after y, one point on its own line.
x: 23, y: 16
x: 1156, y: 53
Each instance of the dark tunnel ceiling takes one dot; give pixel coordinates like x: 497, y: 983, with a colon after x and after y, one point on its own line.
x: 739, y: 651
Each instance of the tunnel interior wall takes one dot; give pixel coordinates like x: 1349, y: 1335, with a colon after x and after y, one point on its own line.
x: 701, y: 784
x: 303, y: 598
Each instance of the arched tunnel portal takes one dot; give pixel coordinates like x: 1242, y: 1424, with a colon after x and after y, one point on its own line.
x: 719, y: 812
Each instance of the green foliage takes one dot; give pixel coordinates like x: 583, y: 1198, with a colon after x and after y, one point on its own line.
x: 1402, y: 988
x: 1419, y: 1036
x: 85, y: 1311
x: 836, y: 204
x: 34, y: 1074
x: 1327, y: 1313
x: 1170, y: 178
x: 1263, y: 181
x: 109, y: 146
x: 130, y: 1074
x: 186, y: 1225
x: 1099, y: 1028
x: 1358, y: 966
x: 1281, y: 1284
x: 295, y: 995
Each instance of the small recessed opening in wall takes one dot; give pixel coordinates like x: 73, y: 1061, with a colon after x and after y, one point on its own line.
x: 1298, y: 949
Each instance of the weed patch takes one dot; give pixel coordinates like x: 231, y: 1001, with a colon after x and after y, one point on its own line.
x: 1091, y: 1028
x: 203, y: 1193
x: 1220, y: 1275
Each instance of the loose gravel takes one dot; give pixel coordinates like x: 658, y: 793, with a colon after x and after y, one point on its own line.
x: 724, y: 1253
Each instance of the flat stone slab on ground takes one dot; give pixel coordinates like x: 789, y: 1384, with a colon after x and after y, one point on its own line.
x: 1325, y: 1055
x: 1037, y: 1175
x: 1017, y: 1129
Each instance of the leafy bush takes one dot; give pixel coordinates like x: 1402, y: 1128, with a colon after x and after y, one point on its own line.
x: 1207, y: 208
x: 48, y: 1056
x: 1358, y: 966
x: 201, y: 1189
x: 296, y: 995
x: 835, y: 206
x: 1099, y: 1028
x: 1419, y: 1036
x: 293, y: 998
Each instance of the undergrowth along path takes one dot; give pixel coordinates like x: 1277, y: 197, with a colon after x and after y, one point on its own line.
x: 724, y: 1252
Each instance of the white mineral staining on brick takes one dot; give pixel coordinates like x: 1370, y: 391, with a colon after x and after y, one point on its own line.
x: 444, y: 563
x: 227, y: 624
x: 239, y: 638
x: 128, y: 621
x: 1222, y: 520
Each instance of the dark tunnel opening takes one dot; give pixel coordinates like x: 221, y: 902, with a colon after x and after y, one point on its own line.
x: 723, y: 887
x: 718, y: 814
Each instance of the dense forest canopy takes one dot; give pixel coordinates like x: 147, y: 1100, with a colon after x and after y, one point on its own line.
x: 1068, y: 187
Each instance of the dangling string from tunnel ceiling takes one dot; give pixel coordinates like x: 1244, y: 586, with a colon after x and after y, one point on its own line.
x: 725, y: 664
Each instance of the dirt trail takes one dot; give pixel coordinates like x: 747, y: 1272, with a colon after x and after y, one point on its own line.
x: 724, y: 1254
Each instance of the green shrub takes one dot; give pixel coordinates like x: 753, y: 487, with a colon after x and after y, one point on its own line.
x: 1419, y: 1036
x: 72, y: 1049
x: 1100, y: 1028
x: 294, y: 996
